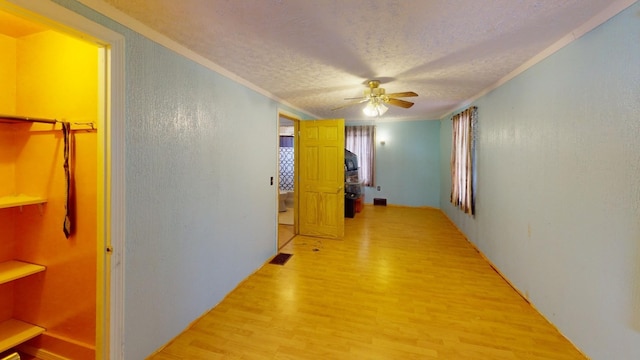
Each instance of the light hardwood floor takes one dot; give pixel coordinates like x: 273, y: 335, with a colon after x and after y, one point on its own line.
x: 286, y: 230
x: 285, y: 234
x: 403, y: 284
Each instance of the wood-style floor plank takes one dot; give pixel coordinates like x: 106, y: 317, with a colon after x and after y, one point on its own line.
x: 285, y: 234
x: 402, y: 284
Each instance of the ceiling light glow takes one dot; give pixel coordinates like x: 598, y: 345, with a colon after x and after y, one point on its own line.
x: 375, y: 108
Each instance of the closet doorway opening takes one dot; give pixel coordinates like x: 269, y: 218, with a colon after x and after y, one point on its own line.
x: 57, y: 207
x: 287, y: 182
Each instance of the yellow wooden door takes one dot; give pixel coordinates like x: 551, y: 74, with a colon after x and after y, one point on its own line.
x: 321, y: 178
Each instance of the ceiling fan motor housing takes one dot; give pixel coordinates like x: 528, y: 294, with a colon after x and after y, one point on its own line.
x: 373, y: 92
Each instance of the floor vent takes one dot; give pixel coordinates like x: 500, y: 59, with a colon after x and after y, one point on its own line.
x: 280, y: 259
x: 380, y: 201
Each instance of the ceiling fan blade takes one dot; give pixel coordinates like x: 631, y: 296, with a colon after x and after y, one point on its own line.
x: 402, y: 94
x: 401, y: 103
x: 351, y: 103
x: 357, y: 98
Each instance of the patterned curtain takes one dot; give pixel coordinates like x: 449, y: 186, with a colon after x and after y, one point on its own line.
x: 287, y: 155
x: 361, y: 140
x: 462, y: 153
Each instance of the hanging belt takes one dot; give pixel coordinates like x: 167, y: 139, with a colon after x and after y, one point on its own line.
x: 66, y: 226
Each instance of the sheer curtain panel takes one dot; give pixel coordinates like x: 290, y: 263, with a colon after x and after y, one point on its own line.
x: 360, y: 140
x: 462, y: 156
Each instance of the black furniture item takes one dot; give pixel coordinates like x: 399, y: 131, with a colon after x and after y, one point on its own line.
x: 349, y: 207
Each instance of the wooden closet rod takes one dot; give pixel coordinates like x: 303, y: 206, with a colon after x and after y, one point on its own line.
x: 28, y: 119
x: 90, y: 126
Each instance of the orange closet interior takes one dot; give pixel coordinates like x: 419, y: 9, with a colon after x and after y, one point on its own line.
x: 46, y: 74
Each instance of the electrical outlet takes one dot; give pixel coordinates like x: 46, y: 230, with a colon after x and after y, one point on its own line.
x: 378, y: 187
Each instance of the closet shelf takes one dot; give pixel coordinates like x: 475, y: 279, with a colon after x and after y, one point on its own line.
x: 14, y: 270
x: 20, y: 200
x: 14, y: 332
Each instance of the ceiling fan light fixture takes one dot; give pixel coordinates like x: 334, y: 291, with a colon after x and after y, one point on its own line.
x: 370, y: 109
x: 382, y: 109
x: 374, y: 108
x: 376, y: 97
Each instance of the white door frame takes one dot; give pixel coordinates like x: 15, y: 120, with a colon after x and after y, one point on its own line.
x: 296, y: 120
x: 111, y: 147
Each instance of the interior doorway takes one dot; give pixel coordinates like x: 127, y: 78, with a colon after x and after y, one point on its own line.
x: 56, y: 76
x: 56, y: 82
x: 287, y: 162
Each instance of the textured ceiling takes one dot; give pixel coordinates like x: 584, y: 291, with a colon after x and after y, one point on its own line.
x: 313, y: 54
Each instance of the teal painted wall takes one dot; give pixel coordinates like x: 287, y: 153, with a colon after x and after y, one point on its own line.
x: 558, y: 187
x: 407, y: 166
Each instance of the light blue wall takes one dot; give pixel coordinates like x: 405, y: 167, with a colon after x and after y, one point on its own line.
x: 198, y: 172
x: 558, y: 201
x: 407, y: 165
x: 201, y: 213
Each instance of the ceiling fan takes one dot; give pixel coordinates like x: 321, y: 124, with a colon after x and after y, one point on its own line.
x: 377, y: 98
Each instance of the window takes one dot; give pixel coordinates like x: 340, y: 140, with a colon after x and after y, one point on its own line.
x: 360, y: 140
x: 462, y: 159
